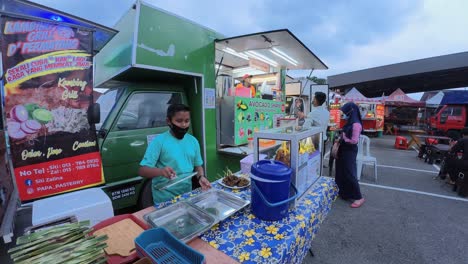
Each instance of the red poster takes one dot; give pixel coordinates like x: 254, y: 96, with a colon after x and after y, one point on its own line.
x: 335, y: 116
x: 47, y: 88
x: 379, y: 114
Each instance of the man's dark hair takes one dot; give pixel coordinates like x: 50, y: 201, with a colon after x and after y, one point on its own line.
x: 320, y: 97
x: 173, y: 109
x: 464, y: 131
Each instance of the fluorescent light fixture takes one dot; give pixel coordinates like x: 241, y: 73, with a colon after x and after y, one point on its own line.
x: 259, y: 56
x: 284, y: 56
x: 233, y: 52
x: 244, y: 69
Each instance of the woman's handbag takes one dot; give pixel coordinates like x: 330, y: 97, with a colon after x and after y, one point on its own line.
x: 335, y: 148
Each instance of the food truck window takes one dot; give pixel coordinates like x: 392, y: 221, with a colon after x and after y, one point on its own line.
x: 146, y: 110
x: 457, y: 111
x: 106, y: 102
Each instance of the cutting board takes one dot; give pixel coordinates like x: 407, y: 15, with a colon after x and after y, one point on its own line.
x: 121, y: 237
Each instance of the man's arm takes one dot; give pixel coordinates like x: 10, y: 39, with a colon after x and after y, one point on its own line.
x: 457, y: 147
x: 204, y: 183
x: 149, y: 172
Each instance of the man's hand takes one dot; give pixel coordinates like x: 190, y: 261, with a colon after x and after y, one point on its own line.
x: 204, y: 183
x: 168, y: 172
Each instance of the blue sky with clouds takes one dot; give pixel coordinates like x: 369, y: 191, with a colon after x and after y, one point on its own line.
x: 346, y: 35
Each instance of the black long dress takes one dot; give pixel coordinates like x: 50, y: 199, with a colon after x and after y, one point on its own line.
x: 346, y: 171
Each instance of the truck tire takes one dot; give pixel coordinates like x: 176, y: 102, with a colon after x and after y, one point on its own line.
x: 454, y: 134
x: 146, y: 196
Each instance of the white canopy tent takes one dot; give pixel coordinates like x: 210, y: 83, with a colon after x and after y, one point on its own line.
x: 435, y: 100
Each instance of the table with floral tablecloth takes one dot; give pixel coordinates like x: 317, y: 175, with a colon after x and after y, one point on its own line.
x: 248, y: 239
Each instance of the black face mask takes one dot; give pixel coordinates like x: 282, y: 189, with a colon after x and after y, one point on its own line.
x: 178, y: 132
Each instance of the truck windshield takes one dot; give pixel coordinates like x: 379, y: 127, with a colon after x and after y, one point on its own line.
x: 106, y: 102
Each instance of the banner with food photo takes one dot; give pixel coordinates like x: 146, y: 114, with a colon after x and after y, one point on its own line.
x: 47, y: 89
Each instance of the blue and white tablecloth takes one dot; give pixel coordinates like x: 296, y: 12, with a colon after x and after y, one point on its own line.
x: 251, y: 240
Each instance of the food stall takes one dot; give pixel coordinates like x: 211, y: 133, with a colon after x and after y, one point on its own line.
x: 263, y: 58
x: 239, y: 235
x: 372, y: 111
x: 401, y: 110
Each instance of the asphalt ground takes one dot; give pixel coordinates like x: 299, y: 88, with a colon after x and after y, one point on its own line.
x: 408, y: 217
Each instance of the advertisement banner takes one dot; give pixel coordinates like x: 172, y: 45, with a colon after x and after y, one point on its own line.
x: 254, y: 114
x: 47, y: 88
x: 335, y: 117
x: 379, y: 115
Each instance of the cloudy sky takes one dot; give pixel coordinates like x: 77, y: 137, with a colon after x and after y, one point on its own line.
x: 346, y: 35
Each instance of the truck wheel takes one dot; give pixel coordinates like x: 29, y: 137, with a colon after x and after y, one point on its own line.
x: 146, y: 196
x: 453, y: 134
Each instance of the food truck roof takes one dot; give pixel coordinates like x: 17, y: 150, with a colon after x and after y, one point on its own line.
x: 27, y: 9
x: 278, y: 47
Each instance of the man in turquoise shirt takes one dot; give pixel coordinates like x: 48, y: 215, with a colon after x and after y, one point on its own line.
x: 173, y: 154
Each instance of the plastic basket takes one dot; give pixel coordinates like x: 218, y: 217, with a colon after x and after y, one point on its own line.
x: 163, y: 248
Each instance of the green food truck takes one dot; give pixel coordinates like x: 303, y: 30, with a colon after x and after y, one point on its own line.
x: 234, y: 87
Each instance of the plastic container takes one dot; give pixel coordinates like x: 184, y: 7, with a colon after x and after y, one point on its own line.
x: 90, y: 204
x: 162, y: 247
x: 247, y: 162
x: 270, y: 181
x: 116, y: 259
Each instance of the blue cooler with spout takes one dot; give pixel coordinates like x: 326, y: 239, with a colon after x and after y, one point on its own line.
x: 270, y: 185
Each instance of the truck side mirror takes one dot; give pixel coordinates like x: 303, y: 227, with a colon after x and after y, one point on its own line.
x: 94, y: 113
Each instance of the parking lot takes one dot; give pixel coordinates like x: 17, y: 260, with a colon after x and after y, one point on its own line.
x: 408, y: 217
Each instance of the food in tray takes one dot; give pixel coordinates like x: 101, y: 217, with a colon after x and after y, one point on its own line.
x: 212, y: 210
x: 283, y: 154
x: 232, y: 180
x: 306, y: 146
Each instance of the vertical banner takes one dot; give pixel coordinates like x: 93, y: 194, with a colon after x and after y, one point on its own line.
x: 47, y: 82
x: 379, y: 115
x: 335, y: 117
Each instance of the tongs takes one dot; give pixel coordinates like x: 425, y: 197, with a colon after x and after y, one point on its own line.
x: 165, y: 185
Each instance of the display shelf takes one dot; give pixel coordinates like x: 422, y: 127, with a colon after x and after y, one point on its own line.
x: 304, y: 148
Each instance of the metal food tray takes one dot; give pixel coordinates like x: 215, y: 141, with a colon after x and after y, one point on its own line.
x: 182, y: 219
x: 218, y: 203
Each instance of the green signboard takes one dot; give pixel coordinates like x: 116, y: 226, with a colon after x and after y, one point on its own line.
x: 252, y: 115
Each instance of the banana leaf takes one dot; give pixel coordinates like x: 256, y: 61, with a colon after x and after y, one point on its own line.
x: 47, y: 232
x: 38, y: 249
x: 64, y: 251
x: 52, y: 239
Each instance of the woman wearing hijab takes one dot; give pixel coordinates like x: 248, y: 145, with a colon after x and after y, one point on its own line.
x: 346, y: 163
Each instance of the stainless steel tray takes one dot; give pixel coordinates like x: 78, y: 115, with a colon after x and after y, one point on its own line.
x: 218, y: 203
x: 182, y: 219
x: 179, y: 179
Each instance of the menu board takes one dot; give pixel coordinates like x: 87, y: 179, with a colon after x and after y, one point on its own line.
x: 252, y: 115
x: 47, y: 89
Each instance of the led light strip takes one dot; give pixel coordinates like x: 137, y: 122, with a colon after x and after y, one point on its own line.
x: 233, y: 52
x: 258, y: 56
x: 284, y: 56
